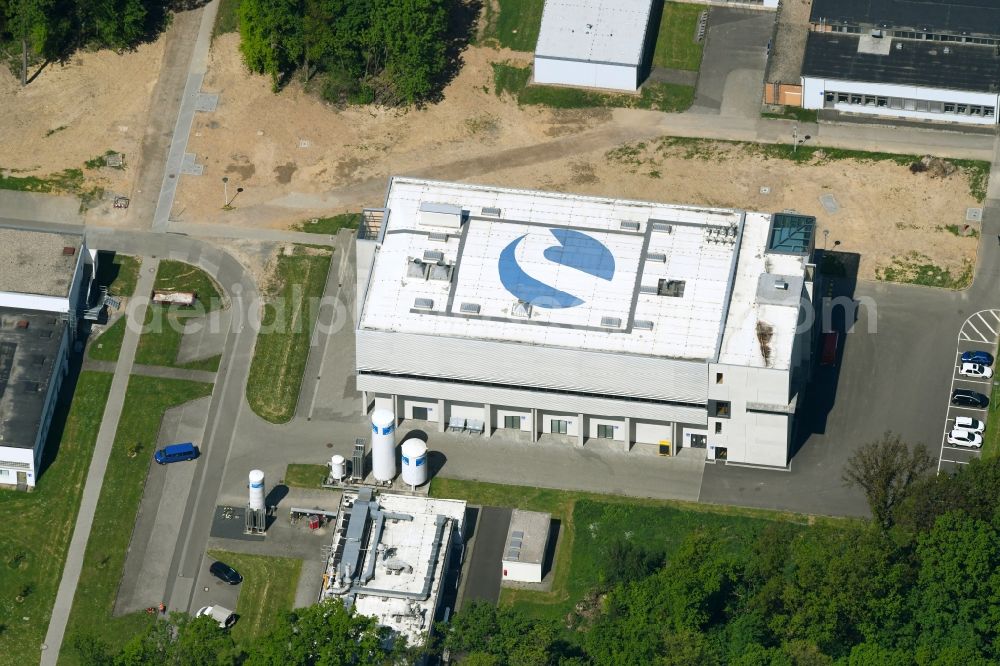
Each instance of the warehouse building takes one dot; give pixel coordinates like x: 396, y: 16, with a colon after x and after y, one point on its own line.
x: 920, y: 61
x: 44, y: 289
x: 595, y: 43
x: 581, y: 318
x: 390, y: 557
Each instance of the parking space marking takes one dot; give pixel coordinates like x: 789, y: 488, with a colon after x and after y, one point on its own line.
x: 989, y: 320
x: 986, y: 324
x: 969, y: 323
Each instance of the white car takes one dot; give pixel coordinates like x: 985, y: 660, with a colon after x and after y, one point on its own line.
x: 969, y: 423
x: 976, y: 370
x: 225, y: 617
x: 959, y: 437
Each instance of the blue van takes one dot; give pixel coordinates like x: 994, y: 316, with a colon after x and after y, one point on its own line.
x: 176, y: 453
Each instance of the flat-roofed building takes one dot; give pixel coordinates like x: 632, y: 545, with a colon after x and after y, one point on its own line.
x: 585, y: 318
x: 934, y: 60
x: 45, y: 284
x: 390, y: 558
x: 595, y: 43
x: 524, y: 551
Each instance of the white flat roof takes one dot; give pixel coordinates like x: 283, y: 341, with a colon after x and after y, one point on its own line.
x: 590, y: 268
x: 527, y: 537
x: 605, y: 31
x: 410, y: 543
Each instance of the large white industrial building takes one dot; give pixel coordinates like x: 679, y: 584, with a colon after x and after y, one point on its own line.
x: 578, y: 318
x: 44, y: 289
x: 594, y: 43
x: 934, y: 60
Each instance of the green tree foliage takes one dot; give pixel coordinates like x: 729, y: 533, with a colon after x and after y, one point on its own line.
x: 921, y: 593
x: 886, y: 470
x: 489, y: 636
x: 48, y: 30
x: 392, y: 52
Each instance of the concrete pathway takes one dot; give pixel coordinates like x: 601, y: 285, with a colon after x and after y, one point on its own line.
x: 98, y: 465
x: 154, y: 371
x: 185, y: 117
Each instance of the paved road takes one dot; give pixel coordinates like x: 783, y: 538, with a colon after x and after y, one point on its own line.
x: 731, y: 78
x: 483, y: 570
x: 98, y: 465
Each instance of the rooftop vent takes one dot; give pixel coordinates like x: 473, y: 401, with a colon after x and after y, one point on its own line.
x: 438, y: 236
x: 521, y: 309
x: 649, y: 289
x: 433, y: 255
x: 491, y: 212
x: 629, y: 226
x: 673, y: 288
x: 69, y: 251
x: 781, y: 284
x: 611, y: 322
x: 946, y: 50
x: 899, y: 46
x: 469, y: 308
x: 658, y: 257
x: 441, y: 214
x: 663, y: 226
x: 643, y: 325
x: 440, y: 272
x: 423, y: 303
x: 415, y: 268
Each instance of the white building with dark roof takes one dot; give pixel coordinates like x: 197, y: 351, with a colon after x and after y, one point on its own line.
x: 45, y: 281
x: 583, y: 318
x: 936, y: 60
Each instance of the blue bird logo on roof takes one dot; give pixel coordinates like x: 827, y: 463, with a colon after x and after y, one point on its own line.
x: 574, y: 250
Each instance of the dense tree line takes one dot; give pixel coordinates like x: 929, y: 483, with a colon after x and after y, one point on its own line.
x: 324, y: 633
x: 391, y: 52
x: 918, y: 585
x: 37, y: 31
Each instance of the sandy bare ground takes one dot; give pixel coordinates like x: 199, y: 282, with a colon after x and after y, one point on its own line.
x: 74, y: 112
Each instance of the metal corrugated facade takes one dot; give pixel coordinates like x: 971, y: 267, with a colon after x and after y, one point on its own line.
x: 557, y: 402
x: 536, y: 366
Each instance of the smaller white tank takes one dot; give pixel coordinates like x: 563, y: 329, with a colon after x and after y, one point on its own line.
x: 256, y: 490
x: 414, y: 462
x: 338, y: 468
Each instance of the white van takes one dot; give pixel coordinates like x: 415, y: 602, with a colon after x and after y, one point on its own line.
x: 225, y: 617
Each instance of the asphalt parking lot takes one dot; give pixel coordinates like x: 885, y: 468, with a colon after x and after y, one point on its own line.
x: 979, y: 332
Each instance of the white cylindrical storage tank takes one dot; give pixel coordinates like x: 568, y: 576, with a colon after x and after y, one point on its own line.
x: 414, y: 462
x: 256, y: 490
x: 337, y: 468
x: 383, y: 445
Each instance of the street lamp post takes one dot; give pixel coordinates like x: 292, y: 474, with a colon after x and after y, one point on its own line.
x: 225, y: 191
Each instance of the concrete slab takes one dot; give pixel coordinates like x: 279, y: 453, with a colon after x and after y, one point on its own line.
x: 743, y: 93
x: 206, y: 102
x: 189, y: 167
x: 310, y: 583
x: 483, y: 571
x: 144, y: 580
x: 34, y: 206
x: 204, y: 337
x: 733, y: 62
x: 829, y: 202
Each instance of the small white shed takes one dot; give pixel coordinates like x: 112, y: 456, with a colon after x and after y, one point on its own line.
x: 593, y: 43
x: 527, y: 541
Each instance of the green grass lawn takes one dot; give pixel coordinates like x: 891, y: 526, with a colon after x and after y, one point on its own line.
x: 513, y: 80
x: 306, y: 476
x: 162, y: 340
x: 38, y: 525
x: 268, y: 588
x: 515, y: 26
x: 283, y: 342
x: 591, y: 521
x: 227, y: 18
x: 675, y: 45
x: 330, y: 225
x: 146, y: 399
x: 120, y: 275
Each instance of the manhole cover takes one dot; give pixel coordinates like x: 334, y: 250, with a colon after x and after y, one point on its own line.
x: 765, y: 190
x: 973, y: 214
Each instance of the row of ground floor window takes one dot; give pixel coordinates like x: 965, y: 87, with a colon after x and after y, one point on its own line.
x: 833, y: 98
x: 487, y: 420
